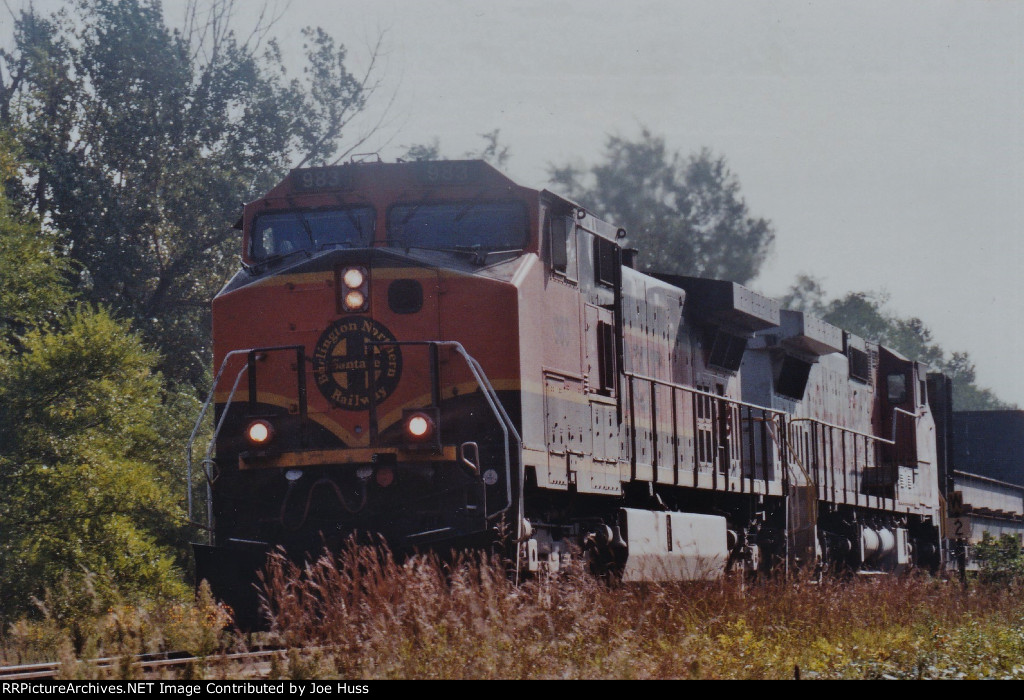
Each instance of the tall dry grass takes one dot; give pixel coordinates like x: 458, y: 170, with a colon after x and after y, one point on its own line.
x: 374, y: 617
x: 363, y: 614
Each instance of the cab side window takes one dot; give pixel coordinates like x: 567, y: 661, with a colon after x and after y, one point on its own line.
x: 896, y: 387
x: 561, y: 230
x: 605, y: 259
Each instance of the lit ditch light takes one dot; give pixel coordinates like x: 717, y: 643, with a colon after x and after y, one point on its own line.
x: 259, y: 433
x: 421, y: 428
x: 355, y: 289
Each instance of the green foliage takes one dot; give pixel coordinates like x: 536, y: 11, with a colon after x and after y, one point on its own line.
x: 864, y: 314
x: 420, y: 152
x: 686, y: 216
x: 32, y: 273
x: 83, y: 483
x: 1000, y: 561
x: 77, y: 623
x: 89, y: 437
x: 143, y: 141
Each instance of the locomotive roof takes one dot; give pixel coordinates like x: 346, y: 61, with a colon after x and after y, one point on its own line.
x: 399, y: 175
x: 418, y: 175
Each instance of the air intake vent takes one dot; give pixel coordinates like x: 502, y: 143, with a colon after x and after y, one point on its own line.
x: 725, y: 350
x: 860, y: 366
x: 792, y: 379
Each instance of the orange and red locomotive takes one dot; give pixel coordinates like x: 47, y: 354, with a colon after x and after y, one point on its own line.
x: 431, y: 352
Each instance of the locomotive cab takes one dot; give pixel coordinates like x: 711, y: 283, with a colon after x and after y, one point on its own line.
x: 371, y: 339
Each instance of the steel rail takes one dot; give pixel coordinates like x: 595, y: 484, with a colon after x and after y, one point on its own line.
x: 51, y: 669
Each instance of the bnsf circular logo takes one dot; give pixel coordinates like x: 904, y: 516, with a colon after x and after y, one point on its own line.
x: 342, y: 363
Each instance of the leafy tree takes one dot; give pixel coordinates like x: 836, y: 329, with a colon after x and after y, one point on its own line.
x: 143, y: 141
x: 419, y: 152
x: 89, y: 435
x: 32, y: 273
x: 864, y: 313
x: 685, y: 215
x: 81, y: 484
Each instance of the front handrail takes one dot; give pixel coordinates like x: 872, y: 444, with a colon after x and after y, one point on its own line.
x: 504, y: 420
x: 199, y: 421
x: 493, y: 401
x: 208, y: 458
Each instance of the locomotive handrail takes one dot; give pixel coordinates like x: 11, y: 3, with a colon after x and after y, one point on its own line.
x: 220, y: 424
x: 497, y: 408
x: 208, y: 457
x: 895, y: 413
x: 846, y: 430
x: 701, y: 392
x: 223, y: 416
x: 768, y: 415
x: 199, y: 422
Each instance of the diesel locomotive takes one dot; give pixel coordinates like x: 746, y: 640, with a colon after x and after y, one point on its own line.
x: 434, y: 354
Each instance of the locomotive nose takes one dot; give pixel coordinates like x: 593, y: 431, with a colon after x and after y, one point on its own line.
x: 370, y: 361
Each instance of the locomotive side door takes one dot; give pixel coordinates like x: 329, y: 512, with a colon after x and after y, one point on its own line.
x: 898, y: 378
x: 566, y: 421
x: 601, y: 372
x: 599, y: 275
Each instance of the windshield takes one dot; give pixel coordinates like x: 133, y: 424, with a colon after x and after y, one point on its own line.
x: 284, y: 233
x: 465, y: 225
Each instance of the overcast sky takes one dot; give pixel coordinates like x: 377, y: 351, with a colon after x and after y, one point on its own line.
x: 882, y: 139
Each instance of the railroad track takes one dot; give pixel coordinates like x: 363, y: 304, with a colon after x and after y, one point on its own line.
x: 148, y: 664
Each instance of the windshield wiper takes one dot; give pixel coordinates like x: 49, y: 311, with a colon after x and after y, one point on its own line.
x: 356, y: 225
x: 354, y: 220
x: 332, y: 244
x: 473, y: 253
x: 417, y: 206
x: 278, y: 257
x: 442, y: 249
x: 476, y: 253
x: 307, y: 229
x: 510, y: 251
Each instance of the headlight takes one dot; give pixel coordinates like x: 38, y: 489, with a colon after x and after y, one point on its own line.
x: 419, y: 426
x: 354, y: 300
x: 259, y: 432
x: 354, y: 278
x: 354, y: 289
